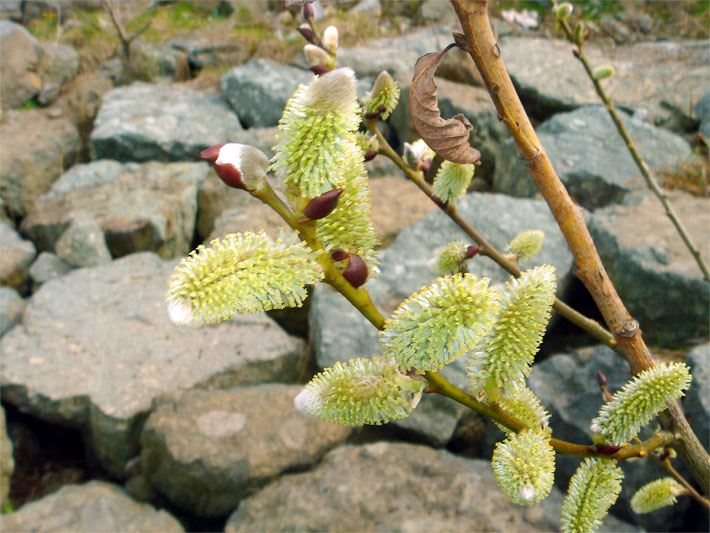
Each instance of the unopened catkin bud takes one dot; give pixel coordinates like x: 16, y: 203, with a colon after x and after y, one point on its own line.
x: 307, y: 32
x: 563, y: 11
x: 330, y: 38
x: 238, y: 165
x: 323, y: 205
x: 603, y: 72
x: 317, y: 57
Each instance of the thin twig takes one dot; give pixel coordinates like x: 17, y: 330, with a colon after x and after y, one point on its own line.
x: 668, y: 467
x: 126, y: 39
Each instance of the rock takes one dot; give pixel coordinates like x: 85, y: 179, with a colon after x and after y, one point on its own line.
x: 15, y: 259
x: 659, y: 77
x: 127, y: 355
x: 83, y: 243
x: 59, y: 65
x: 19, y: 57
x: 653, y: 271
x: 206, y: 450
x: 150, y: 206
x: 254, y: 216
x: 11, y: 9
x: 615, y: 29
x: 34, y: 151
x: 436, y: 10
x: 11, y: 309
x: 339, y: 332
x: 366, y: 6
x: 389, y: 486
x: 590, y: 157
x: 566, y: 384
x: 7, y: 463
x: 95, y: 506
x: 258, y: 90
x: 150, y: 61
x: 702, y: 113
x: 697, y: 399
x: 157, y: 122
x: 47, y: 266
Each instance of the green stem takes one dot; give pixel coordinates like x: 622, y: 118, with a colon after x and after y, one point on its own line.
x: 668, y: 467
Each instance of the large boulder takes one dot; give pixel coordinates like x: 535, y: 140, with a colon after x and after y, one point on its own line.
x: 339, y: 332
x: 653, y: 271
x: 658, y: 79
x: 19, y: 57
x: 697, y: 400
x: 95, y: 506
x: 590, y: 157
x: 15, y: 259
x: 258, y: 90
x: 159, y: 122
x: 206, y: 450
x: 11, y: 309
x: 59, y: 65
x: 100, y: 371
x: 47, y: 266
x: 140, y: 207
x: 34, y: 151
x: 393, y: 487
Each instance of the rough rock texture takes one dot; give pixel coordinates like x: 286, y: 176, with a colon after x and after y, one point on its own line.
x: 100, y: 371
x: 566, y: 384
x: 590, y: 157
x: 392, y: 487
x: 156, y: 122
x: 254, y: 216
x: 652, y: 270
x: 19, y: 55
x: 339, y: 332
x: 11, y: 309
x: 83, y: 244
x: 95, y: 506
x: 34, y: 151
x: 702, y: 114
x: 59, y: 65
x: 660, y: 78
x: 7, y: 463
x: 140, y: 207
x: 47, y: 266
x: 697, y: 400
x: 206, y: 450
x: 258, y: 90
x: 15, y: 259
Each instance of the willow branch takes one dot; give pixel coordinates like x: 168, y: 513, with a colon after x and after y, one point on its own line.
x: 668, y: 467
x: 592, y: 327
x: 484, y: 50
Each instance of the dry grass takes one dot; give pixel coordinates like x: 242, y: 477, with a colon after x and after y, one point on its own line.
x: 691, y: 177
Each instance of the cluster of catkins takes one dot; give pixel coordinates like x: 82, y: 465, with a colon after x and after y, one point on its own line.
x: 318, y: 175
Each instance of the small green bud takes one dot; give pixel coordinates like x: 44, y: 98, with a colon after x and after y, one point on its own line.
x: 383, y: 98
x: 593, y: 489
x: 563, y: 11
x: 361, y: 391
x: 440, y: 322
x: 603, y: 72
x: 639, y: 400
x: 452, y: 181
x: 579, y: 34
x: 452, y: 259
x: 524, y: 466
x: 527, y: 244
x: 656, y: 494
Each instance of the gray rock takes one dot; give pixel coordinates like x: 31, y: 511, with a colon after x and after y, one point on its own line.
x: 15, y: 259
x: 435, y: 10
x: 391, y: 487
x: 34, y: 151
x: 653, y: 271
x: 206, y: 450
x: 47, y: 266
x: 339, y: 332
x: 150, y: 206
x: 95, y: 506
x: 150, y: 61
x: 11, y: 309
x: 100, y: 371
x: 566, y: 384
x: 19, y: 57
x: 157, y: 122
x: 82, y: 244
x: 697, y: 400
x: 258, y: 90
x: 590, y: 157
x: 661, y: 78
x: 7, y: 463
x: 702, y: 114
x: 59, y: 64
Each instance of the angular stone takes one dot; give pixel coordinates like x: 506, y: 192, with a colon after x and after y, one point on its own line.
x: 19, y: 56
x: 339, y: 332
x: 206, y: 450
x: 59, y: 64
x: 47, y: 266
x: 140, y: 207
x: 653, y: 271
x: 660, y: 79
x: 697, y: 400
x: 389, y: 486
x: 95, y: 506
x: 83, y: 244
x: 258, y: 90
x: 100, y: 371
x: 34, y: 151
x: 254, y: 217
x: 15, y: 259
x: 158, y: 122
x: 11, y: 309
x: 591, y: 158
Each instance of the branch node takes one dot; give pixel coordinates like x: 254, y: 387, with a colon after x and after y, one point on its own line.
x: 628, y: 329
x: 529, y: 160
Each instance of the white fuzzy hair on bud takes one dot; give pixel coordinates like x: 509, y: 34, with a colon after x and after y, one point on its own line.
x: 250, y: 161
x: 332, y: 91
x: 330, y: 38
x: 180, y: 312
x: 315, y: 55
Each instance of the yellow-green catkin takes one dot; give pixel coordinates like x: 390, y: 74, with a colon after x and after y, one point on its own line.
x: 656, y: 495
x: 452, y: 181
x: 241, y: 273
x: 527, y: 244
x: 383, y: 97
x: 361, y: 391
x: 523, y: 405
x: 452, y: 259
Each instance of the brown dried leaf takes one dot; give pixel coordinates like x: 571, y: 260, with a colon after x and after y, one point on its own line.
x: 447, y: 137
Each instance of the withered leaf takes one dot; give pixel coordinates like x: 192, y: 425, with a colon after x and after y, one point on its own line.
x: 447, y: 137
